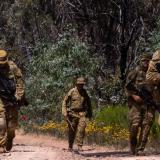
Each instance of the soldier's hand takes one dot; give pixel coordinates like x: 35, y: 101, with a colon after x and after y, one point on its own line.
x: 18, y: 98
x: 138, y: 99
x: 65, y: 116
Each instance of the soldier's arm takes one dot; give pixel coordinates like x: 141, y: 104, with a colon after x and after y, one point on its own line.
x: 130, y: 81
x: 131, y: 90
x: 19, y: 81
x: 65, y: 103
x: 153, y: 76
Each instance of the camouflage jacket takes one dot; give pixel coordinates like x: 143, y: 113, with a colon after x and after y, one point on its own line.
x: 11, y: 71
x: 137, y: 77
x: 77, y: 102
x: 153, y: 76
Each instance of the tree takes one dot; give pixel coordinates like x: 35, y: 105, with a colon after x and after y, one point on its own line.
x: 53, y: 72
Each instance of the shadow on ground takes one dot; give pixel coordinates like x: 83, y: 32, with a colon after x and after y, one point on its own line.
x: 114, y: 154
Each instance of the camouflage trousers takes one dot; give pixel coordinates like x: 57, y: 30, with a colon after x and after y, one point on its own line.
x: 76, y: 129
x: 8, y: 123
x: 141, y: 119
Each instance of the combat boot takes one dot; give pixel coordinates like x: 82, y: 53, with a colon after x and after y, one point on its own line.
x: 70, y: 148
x: 9, y: 144
x: 140, y: 149
x: 133, y: 149
x: 140, y: 153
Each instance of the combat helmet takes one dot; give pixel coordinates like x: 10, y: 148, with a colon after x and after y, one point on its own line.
x: 146, y: 56
x: 3, y: 57
x: 80, y: 80
x: 156, y: 55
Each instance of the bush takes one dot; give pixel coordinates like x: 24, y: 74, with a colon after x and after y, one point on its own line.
x: 52, y: 73
x: 113, y: 115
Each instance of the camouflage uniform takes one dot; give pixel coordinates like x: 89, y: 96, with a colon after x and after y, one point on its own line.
x: 153, y: 77
x: 140, y: 116
x: 9, y: 112
x: 76, y: 108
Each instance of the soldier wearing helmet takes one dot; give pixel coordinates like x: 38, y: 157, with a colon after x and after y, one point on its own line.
x: 11, y: 91
x: 76, y: 108
x: 140, y: 116
x: 153, y: 73
x: 153, y: 77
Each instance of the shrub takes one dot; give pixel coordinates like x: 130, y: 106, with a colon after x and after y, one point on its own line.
x: 52, y: 73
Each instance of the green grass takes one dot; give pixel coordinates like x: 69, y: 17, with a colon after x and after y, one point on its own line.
x: 113, y: 115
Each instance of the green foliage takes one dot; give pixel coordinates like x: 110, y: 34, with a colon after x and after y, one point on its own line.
x: 110, y: 126
x: 53, y: 72
x: 118, y: 116
x: 113, y: 115
x: 154, y: 39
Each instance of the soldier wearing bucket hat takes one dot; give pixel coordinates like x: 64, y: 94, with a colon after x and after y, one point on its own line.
x: 3, y: 57
x: 11, y: 91
x: 81, y: 80
x: 145, y: 56
x: 76, y: 108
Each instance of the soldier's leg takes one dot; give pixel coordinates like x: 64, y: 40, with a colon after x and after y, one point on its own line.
x: 3, y: 129
x: 12, y: 124
x: 141, y: 128
x: 135, y: 121
x: 133, y: 137
x: 81, y: 131
x: 140, y: 136
x: 72, y: 128
x: 146, y: 126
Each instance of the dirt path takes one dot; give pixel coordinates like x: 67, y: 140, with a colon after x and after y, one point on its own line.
x: 32, y: 147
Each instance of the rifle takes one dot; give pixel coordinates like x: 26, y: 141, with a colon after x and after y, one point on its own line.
x: 69, y: 122
x: 145, y: 94
x: 7, y: 92
x: 7, y: 89
x: 157, y: 65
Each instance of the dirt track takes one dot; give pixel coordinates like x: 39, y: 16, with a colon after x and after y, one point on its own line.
x: 32, y: 147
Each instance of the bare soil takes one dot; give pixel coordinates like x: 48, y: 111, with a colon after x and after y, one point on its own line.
x: 39, y: 147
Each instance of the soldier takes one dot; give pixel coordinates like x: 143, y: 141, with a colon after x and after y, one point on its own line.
x: 140, y: 115
x: 11, y: 92
x: 76, y: 109
x: 153, y: 76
